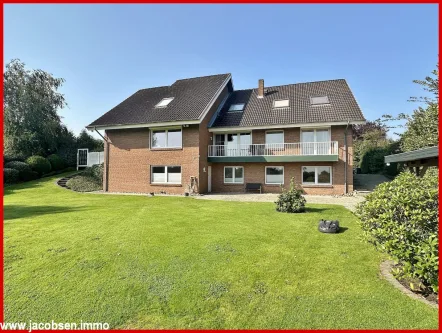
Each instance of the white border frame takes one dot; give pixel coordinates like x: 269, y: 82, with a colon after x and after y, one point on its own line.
x: 316, y: 175
x: 165, y: 173
x: 166, y: 129
x: 164, y: 106
x: 278, y: 100
x: 233, y: 166
x: 274, y: 166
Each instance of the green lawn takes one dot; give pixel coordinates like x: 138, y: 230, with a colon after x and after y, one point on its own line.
x: 165, y: 262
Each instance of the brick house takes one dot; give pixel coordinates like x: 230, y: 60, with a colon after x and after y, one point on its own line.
x: 201, y: 135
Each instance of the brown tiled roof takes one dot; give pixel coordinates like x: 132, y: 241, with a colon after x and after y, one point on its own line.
x: 260, y: 112
x: 191, y: 97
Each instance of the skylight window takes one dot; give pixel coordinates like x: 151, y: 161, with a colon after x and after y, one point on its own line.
x: 319, y: 100
x: 236, y: 107
x: 282, y: 103
x: 164, y: 102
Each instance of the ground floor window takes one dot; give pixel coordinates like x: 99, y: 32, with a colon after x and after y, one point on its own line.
x: 166, y: 174
x: 274, y: 175
x: 233, y: 175
x: 317, y: 175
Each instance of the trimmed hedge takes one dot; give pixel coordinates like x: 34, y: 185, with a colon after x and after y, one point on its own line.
x: 39, y: 164
x: 56, y: 161
x: 401, y: 219
x: 83, y: 183
x: 17, y: 165
x: 291, y: 200
x: 28, y: 175
x: 10, y: 176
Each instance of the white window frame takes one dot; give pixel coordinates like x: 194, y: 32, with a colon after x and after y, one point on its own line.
x: 236, y: 110
x: 314, y: 129
x: 280, y: 100
x: 166, y: 130
x: 165, y: 174
x: 319, y: 104
x: 275, y: 131
x: 169, y: 99
x: 239, y: 137
x: 274, y: 166
x: 316, y: 175
x: 233, y: 166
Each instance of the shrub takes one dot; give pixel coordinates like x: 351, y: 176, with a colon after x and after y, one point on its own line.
x: 17, y: 165
x: 39, y: 164
x: 96, y: 172
x: 56, y: 161
x: 373, y: 160
x: 401, y: 219
x: 10, y: 176
x: 290, y: 201
x: 27, y: 175
x: 82, y: 183
x: 69, y: 169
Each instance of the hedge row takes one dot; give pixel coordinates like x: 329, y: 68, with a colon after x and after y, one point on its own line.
x: 34, y: 167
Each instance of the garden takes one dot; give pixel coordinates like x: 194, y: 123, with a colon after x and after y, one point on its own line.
x: 176, y: 262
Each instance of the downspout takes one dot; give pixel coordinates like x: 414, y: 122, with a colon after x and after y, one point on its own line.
x: 106, y: 160
x: 345, y: 157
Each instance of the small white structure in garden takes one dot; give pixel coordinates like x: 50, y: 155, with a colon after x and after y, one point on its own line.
x: 88, y: 159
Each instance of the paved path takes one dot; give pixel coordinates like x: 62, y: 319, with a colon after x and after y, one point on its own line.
x: 367, y: 182
x: 348, y: 202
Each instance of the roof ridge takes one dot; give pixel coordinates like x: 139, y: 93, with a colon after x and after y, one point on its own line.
x: 200, y: 77
x: 294, y: 84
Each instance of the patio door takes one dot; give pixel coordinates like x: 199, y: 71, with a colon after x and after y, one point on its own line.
x: 315, y: 141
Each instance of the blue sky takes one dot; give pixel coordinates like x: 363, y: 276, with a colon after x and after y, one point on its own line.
x: 108, y: 52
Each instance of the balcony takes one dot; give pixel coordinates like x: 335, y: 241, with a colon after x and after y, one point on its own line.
x: 275, y: 152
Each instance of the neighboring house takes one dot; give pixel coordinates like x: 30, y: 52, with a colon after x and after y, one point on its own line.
x: 201, y: 134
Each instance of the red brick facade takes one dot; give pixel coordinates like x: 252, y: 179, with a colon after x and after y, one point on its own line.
x: 130, y: 159
x: 255, y: 172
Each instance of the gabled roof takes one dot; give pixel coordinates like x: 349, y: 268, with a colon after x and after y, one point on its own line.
x: 260, y: 111
x: 191, y: 97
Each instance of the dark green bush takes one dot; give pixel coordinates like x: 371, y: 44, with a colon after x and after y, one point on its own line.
x: 401, y: 219
x: 27, y: 175
x: 56, y: 161
x: 82, y: 183
x: 69, y: 169
x: 39, y: 164
x: 17, y: 165
x: 291, y: 200
x: 10, y: 176
x: 373, y: 160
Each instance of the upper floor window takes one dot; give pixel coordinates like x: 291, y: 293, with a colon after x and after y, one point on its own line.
x: 275, y: 137
x: 236, y: 107
x: 167, y: 138
x: 281, y: 103
x: 319, y: 100
x: 164, y: 102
